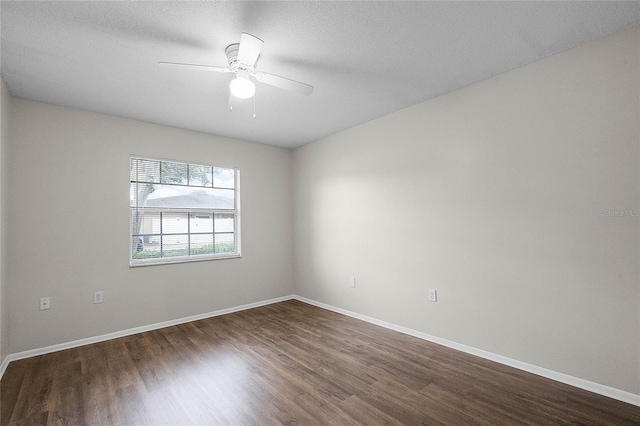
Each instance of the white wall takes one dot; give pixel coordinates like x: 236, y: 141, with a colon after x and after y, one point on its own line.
x: 69, y: 226
x: 495, y: 195
x: 5, y: 101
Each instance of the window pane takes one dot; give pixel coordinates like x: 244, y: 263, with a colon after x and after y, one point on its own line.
x: 223, y: 178
x: 144, y: 222
x: 133, y: 194
x: 143, y: 250
x: 200, y: 175
x: 145, y: 245
x: 224, y: 223
x: 175, y: 223
x: 225, y: 243
x: 175, y: 245
x: 224, y: 198
x: 145, y: 170
x: 171, y: 196
x: 201, y: 222
x: 175, y: 173
x: 201, y: 244
x: 139, y: 192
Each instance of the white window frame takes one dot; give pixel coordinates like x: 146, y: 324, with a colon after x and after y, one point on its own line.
x: 189, y: 211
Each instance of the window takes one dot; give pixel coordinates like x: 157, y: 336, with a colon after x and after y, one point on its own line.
x: 182, y: 212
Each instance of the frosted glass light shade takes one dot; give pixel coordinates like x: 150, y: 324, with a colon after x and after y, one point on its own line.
x: 241, y: 87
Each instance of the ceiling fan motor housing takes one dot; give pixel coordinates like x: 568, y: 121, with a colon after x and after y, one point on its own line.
x: 234, y: 63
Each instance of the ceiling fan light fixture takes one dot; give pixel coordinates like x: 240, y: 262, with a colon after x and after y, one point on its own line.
x: 241, y: 87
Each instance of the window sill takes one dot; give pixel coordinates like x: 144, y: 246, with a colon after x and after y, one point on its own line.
x: 173, y: 260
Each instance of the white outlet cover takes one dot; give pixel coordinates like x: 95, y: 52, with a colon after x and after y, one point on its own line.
x: 433, y: 295
x: 45, y: 303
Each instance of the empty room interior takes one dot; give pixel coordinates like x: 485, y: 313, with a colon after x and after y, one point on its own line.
x: 339, y: 213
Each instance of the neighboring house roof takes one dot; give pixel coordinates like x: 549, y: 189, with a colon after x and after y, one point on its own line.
x: 194, y: 201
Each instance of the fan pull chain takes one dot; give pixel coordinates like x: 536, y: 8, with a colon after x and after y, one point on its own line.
x: 254, y: 104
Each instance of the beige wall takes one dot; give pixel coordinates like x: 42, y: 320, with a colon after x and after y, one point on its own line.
x: 5, y: 101
x: 69, y: 219
x: 495, y: 195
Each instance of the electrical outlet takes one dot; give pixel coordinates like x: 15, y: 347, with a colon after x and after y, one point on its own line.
x: 45, y: 303
x: 97, y: 297
x: 433, y: 295
x: 352, y: 282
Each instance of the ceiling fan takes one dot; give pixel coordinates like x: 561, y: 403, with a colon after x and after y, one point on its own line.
x: 243, y: 60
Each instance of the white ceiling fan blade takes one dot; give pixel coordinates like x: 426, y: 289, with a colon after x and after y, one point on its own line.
x: 249, y: 49
x: 284, y: 83
x: 194, y: 66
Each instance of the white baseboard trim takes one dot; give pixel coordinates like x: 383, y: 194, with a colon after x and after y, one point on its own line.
x: 3, y: 366
x: 598, y: 388
x: 89, y: 340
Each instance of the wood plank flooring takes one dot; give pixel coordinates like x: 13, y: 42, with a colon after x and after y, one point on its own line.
x: 287, y: 363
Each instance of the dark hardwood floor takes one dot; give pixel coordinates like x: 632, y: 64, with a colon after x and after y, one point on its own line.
x: 287, y: 363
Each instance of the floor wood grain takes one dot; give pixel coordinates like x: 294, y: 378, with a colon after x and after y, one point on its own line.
x: 288, y: 363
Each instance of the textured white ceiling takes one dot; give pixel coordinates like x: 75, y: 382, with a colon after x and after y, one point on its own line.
x: 365, y: 59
